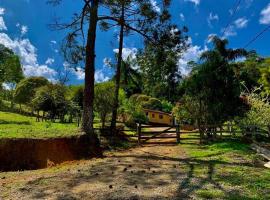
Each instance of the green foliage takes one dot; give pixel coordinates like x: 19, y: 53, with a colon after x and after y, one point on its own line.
x: 26, y: 88
x: 134, y: 113
x: 10, y: 66
x: 215, y: 86
x: 188, y: 111
x: 166, y: 106
x: 77, y: 96
x: 146, y: 102
x: 159, y: 62
x: 104, y: 96
x: 259, y: 112
x: 153, y: 104
x: 265, y: 76
x: 51, y: 98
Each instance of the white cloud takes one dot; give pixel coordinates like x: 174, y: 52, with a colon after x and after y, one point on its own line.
x: 100, y: 76
x: 182, y: 16
x: 26, y: 51
x: 107, y: 62
x: 80, y: 74
x: 155, y: 6
x: 193, y: 53
x: 230, y: 31
x: 196, y: 2
x: 53, y: 42
x: 2, y: 24
x: 212, y: 17
x: 28, y: 56
x: 265, y: 15
x: 2, y: 11
x: 127, y: 52
x: 210, y: 37
x: 49, y: 61
x: 241, y: 23
x: 24, y: 29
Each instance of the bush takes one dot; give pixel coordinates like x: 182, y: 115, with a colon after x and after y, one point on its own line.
x: 259, y: 112
x: 153, y: 104
x: 134, y: 113
x: 166, y: 106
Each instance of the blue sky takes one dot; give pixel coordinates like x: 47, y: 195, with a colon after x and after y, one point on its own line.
x: 24, y: 28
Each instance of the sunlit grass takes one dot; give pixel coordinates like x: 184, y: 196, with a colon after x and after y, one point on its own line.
x: 225, y: 169
x: 19, y: 126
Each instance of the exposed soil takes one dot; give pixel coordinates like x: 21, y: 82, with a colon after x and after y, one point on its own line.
x: 25, y: 154
x: 152, y: 171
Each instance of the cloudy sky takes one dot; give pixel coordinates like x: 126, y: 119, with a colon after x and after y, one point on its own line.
x: 24, y: 28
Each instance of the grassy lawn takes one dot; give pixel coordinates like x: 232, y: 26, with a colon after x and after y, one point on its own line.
x: 224, y: 170
x: 19, y: 126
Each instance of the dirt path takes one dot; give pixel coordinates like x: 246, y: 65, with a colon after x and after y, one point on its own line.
x: 146, y: 172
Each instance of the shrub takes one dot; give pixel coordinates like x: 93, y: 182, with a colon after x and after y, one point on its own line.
x: 153, y: 104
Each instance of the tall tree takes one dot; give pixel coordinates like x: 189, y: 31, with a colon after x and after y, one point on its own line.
x: 159, y: 63
x: 76, y: 52
x: 139, y: 13
x: 215, y: 85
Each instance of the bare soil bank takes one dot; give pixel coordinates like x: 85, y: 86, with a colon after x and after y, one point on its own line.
x: 28, y: 154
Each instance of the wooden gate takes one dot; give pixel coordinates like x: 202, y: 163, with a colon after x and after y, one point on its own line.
x: 153, y: 132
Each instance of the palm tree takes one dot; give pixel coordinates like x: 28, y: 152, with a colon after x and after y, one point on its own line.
x: 220, y: 50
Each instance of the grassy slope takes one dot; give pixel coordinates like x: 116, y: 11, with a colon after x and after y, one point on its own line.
x: 19, y: 126
x: 225, y: 170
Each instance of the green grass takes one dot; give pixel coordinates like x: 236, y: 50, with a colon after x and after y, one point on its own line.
x: 226, y: 169
x: 19, y: 126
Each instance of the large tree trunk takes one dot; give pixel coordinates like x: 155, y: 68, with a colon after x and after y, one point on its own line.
x: 118, y: 70
x: 88, y: 113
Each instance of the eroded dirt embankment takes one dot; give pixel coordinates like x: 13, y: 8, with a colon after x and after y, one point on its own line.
x: 25, y: 154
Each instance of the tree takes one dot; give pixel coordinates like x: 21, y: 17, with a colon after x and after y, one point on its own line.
x: 51, y: 98
x: 76, y: 52
x: 104, y: 100
x: 159, y: 63
x: 26, y: 88
x: 258, y: 114
x: 214, y: 84
x: 125, y: 12
x: 10, y: 66
x: 264, y: 79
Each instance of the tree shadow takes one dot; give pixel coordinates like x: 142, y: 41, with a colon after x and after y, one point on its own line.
x: 132, y: 171
x: 4, y: 122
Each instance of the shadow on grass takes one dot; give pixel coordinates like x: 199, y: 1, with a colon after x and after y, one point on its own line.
x: 14, y: 122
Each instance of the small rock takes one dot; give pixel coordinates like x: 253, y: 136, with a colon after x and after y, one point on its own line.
x: 125, y: 169
x: 130, y: 166
x: 3, y: 177
x: 118, y: 160
x: 174, y: 166
x: 97, y: 174
x: 110, y: 186
x: 131, y: 172
x: 154, y: 171
x: 148, y: 168
x: 112, y: 172
x: 79, y: 170
x: 136, y: 186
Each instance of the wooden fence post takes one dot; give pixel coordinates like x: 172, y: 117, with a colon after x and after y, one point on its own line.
x: 139, y: 133
x: 178, y: 133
